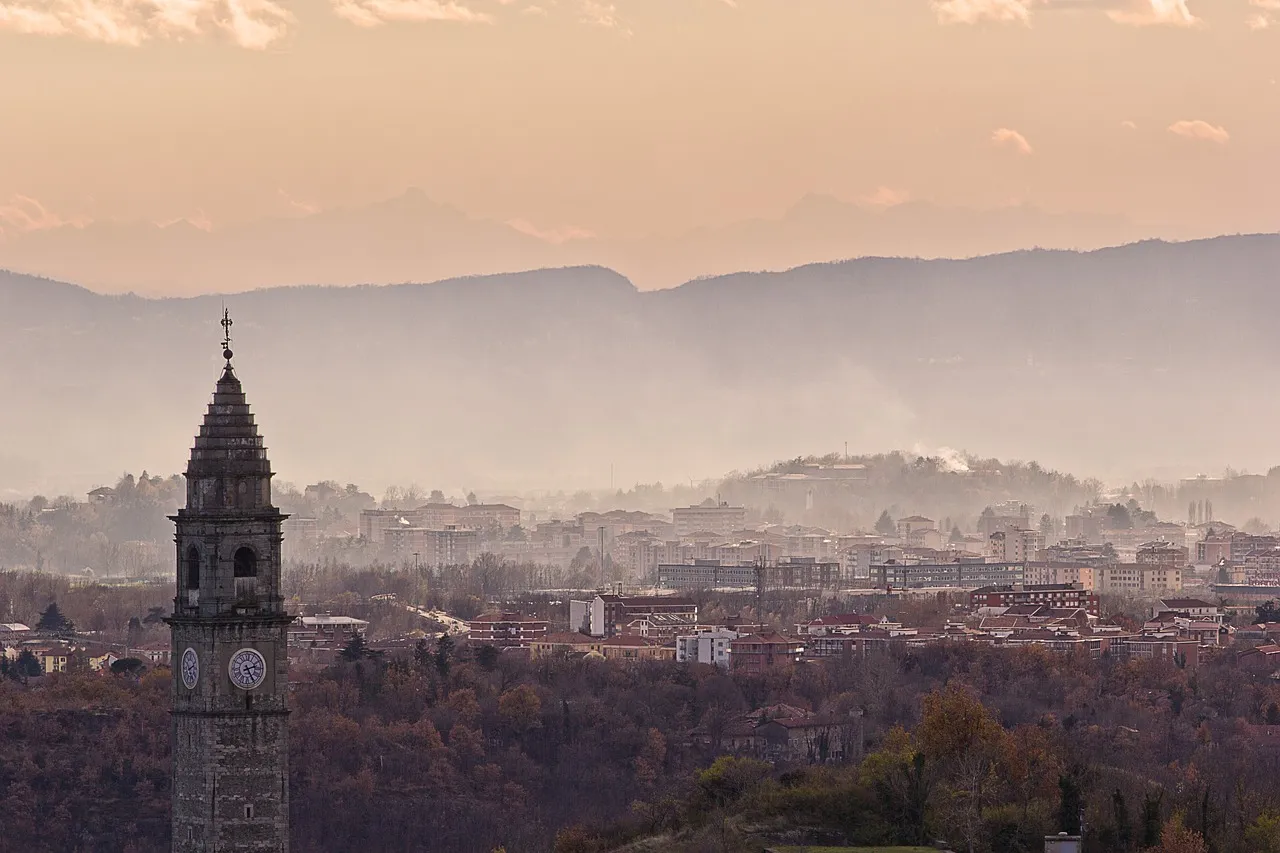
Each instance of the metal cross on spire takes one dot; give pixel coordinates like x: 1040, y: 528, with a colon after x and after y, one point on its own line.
x: 226, y: 334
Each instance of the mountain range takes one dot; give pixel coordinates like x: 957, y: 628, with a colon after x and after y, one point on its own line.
x: 1147, y: 359
x: 413, y: 238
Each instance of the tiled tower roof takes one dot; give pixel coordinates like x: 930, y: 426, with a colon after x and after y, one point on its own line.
x: 229, y: 467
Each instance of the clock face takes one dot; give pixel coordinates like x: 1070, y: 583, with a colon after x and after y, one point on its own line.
x: 247, y: 669
x: 190, y: 668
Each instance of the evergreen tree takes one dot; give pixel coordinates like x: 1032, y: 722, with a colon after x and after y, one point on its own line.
x: 444, y: 655
x: 53, y: 621
x: 1069, y: 804
x: 27, y: 665
x: 355, y: 649
x: 885, y: 525
x: 1120, y: 814
x: 1151, y: 823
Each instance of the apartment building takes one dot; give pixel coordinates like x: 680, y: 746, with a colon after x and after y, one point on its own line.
x: 708, y: 517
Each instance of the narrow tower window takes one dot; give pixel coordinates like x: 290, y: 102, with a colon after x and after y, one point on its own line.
x: 246, y: 563
x: 193, y: 568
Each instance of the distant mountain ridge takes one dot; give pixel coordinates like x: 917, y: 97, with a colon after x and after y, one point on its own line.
x: 1116, y: 363
x: 411, y: 237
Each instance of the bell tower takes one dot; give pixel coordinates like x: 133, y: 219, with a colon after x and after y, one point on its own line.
x: 229, y: 630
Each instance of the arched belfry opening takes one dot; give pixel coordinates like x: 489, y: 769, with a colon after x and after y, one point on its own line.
x: 246, y: 563
x: 193, y: 567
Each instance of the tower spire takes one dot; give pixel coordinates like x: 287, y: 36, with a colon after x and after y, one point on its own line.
x: 226, y: 335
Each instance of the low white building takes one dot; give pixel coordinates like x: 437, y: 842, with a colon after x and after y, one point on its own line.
x: 711, y: 647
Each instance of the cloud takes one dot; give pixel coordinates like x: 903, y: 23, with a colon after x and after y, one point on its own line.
x: 1129, y: 125
x: 604, y: 15
x: 1198, y: 129
x: 885, y: 197
x: 555, y: 236
x: 1133, y: 12
x: 1173, y: 13
x: 1263, y: 20
x: 252, y: 24
x: 1006, y: 138
x: 973, y: 11
x: 372, y: 13
x: 21, y: 213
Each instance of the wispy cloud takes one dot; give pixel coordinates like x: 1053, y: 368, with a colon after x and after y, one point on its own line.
x: 1129, y: 125
x: 21, y: 213
x: 885, y: 197
x: 1134, y: 12
x: 372, y: 13
x: 1173, y: 13
x: 1265, y: 18
x: 1005, y: 137
x: 555, y: 236
x: 1197, y: 129
x: 973, y: 11
x: 253, y: 24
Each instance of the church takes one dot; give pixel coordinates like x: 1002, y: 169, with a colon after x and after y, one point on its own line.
x: 229, y: 628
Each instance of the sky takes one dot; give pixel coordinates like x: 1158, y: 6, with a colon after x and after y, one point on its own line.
x: 637, y: 117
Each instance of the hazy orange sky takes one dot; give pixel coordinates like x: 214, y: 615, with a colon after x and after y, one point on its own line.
x: 638, y: 116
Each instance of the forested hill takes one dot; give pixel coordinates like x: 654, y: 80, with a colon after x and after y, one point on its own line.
x: 1107, y: 363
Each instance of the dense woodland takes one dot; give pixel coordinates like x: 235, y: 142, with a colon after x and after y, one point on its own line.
x: 986, y: 748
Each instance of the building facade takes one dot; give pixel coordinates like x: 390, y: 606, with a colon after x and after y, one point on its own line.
x: 229, y: 632
x: 720, y: 519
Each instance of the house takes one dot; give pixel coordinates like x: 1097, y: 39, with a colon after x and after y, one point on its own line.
x: 564, y: 643
x: 1193, y: 607
x: 507, y: 629
x: 761, y: 653
x: 153, y: 653
x: 633, y: 648
x: 13, y: 630
x: 786, y: 734
x: 102, y: 662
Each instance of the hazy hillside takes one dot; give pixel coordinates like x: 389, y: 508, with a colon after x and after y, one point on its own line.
x: 1111, y: 363
x: 413, y: 238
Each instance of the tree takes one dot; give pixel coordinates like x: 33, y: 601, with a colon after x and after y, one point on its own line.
x: 519, y: 708
x: 128, y: 666
x: 1177, y: 838
x: 444, y: 656
x: 27, y: 665
x: 1267, y: 611
x: 1151, y: 818
x: 1047, y: 527
x: 1120, y: 814
x: 956, y: 535
x: 1118, y: 517
x: 487, y: 656
x: 885, y: 525
x: 437, y: 496
x: 53, y: 621
x: 1070, y: 804
x: 355, y: 649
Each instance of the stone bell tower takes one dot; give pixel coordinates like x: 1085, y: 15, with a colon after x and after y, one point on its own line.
x: 229, y: 627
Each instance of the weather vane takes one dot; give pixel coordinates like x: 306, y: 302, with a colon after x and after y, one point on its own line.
x: 226, y: 334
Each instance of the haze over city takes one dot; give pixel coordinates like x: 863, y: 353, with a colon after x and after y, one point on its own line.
x: 639, y: 426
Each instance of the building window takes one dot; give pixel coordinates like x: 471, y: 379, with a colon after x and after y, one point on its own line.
x: 248, y: 812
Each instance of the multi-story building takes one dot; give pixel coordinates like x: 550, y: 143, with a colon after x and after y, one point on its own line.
x: 506, y: 629
x: 914, y: 523
x: 375, y: 522
x: 958, y: 575
x: 761, y: 653
x: 452, y: 546
x: 709, y: 517
x: 1057, y: 596
x: 610, y: 614
x: 709, y: 647
x: 1016, y: 545
x: 1137, y: 579
x: 1162, y: 553
x: 1039, y: 574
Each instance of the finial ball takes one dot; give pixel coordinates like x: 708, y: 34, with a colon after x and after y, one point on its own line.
x: 226, y: 353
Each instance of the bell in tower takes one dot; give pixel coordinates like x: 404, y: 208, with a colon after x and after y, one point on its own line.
x: 229, y: 629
